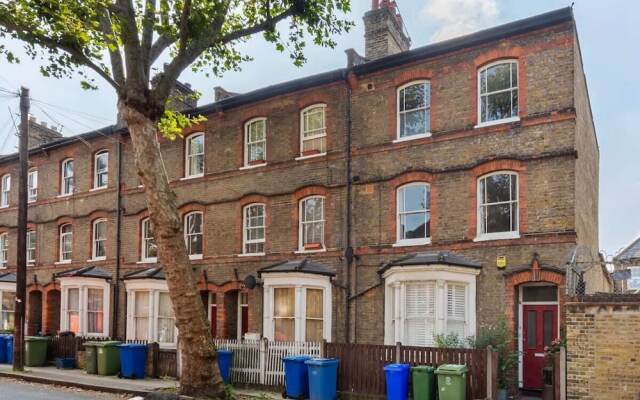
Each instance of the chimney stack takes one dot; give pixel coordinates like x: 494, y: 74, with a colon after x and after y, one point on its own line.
x: 41, y: 133
x: 384, y: 31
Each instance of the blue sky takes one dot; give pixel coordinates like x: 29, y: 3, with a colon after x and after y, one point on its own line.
x: 608, y: 33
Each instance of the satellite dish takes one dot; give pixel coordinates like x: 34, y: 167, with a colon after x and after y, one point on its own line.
x: 250, y: 282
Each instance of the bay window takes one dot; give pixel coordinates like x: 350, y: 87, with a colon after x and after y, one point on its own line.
x: 253, y: 229
x: 311, y: 229
x: 66, y: 178
x: 95, y: 310
x: 149, y: 250
x: 313, y: 135
x: 150, y: 312
x: 255, y: 139
x: 498, y: 206
x: 422, y: 302
x: 498, y: 92
x: 7, y: 306
x: 413, y: 214
x: 414, y: 110
x: 101, y: 170
x: 85, y: 306
x: 66, y: 243
x: 193, y: 234
x: 194, y: 155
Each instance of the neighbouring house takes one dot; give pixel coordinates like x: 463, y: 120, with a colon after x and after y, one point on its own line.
x: 415, y: 192
x: 628, y: 260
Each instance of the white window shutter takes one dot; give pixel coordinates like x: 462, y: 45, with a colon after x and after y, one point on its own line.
x: 456, y: 309
x: 420, y: 312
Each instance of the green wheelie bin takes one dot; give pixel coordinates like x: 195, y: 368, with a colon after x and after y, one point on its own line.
x: 35, y: 351
x: 452, y: 381
x: 108, y: 357
x: 424, y: 382
x: 91, y: 357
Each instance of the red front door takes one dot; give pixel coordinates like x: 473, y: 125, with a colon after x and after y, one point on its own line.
x: 540, y: 328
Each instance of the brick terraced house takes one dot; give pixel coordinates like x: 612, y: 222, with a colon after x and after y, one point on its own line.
x: 412, y: 193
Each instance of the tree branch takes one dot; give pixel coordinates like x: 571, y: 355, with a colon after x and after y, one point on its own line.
x: 114, y: 51
x: 268, y: 23
x: 160, y: 45
x: 147, y: 33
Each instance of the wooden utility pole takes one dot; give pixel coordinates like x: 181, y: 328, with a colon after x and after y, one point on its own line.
x: 21, y: 278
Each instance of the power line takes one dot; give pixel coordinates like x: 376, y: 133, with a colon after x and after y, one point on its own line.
x: 85, y: 114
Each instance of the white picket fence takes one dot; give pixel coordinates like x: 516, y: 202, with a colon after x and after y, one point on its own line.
x: 260, y: 361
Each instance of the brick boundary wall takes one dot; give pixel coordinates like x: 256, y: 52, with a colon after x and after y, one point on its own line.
x: 603, y: 347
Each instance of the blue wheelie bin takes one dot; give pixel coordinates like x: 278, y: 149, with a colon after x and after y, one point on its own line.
x: 323, y: 378
x: 133, y: 360
x: 296, y: 378
x: 397, y: 378
x: 3, y: 350
x: 8, y: 342
x: 225, y: 357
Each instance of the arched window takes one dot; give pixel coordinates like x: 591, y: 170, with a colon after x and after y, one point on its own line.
x: 313, y: 130
x: 498, y: 205
x: 311, y: 230
x: 253, y: 222
x: 413, y: 214
x: 99, y: 239
x: 414, y: 110
x: 101, y: 170
x: 5, y: 190
x: 149, y: 250
x: 4, y: 249
x: 255, y: 142
x: 498, y: 92
x: 194, y: 155
x: 193, y: 234
x: 66, y: 243
x: 66, y: 177
x: 32, y: 185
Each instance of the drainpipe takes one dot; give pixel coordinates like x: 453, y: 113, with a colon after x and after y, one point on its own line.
x: 116, y: 286
x: 349, y: 256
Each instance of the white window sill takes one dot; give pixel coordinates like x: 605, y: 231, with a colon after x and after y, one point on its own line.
x: 412, y: 137
x: 98, y: 188
x: 186, y: 178
x: 311, y: 156
x: 64, y: 195
x: 31, y: 263
x: 7, y: 206
x: 252, y: 166
x: 148, y: 261
x: 497, y: 236
x: 412, y: 242
x: 32, y: 201
x: 497, y: 122
x: 97, y: 259
x: 251, y: 254
x: 62, y: 262
x: 195, y: 257
x: 303, y: 251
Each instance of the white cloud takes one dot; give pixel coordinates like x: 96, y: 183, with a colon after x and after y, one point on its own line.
x: 459, y: 17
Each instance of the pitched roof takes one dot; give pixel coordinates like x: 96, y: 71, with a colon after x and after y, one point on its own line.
x: 303, y: 266
x: 147, y: 273
x: 629, y: 253
x: 499, y: 32
x: 8, y: 277
x: 85, y: 272
x: 429, y: 258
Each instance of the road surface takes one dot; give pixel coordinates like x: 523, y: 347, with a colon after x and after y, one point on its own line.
x: 12, y: 389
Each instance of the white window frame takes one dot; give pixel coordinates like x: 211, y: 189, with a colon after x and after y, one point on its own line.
x: 98, y: 172
x: 421, y: 135
x: 62, y: 237
x: 95, y: 240
x: 32, y: 186
x: 480, y: 225
x: 300, y: 282
x: 322, y: 132
x: 154, y: 287
x: 396, y: 279
x: 515, y: 118
x: 32, y: 246
x: 67, y: 178
x: 633, y: 283
x: 188, y: 156
x: 248, y: 143
x: 5, y: 190
x: 302, y: 223
x: 4, y: 250
x: 187, y: 234
x: 7, y: 287
x: 415, y: 241
x: 84, y: 284
x: 146, y: 237
x: 246, y: 228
